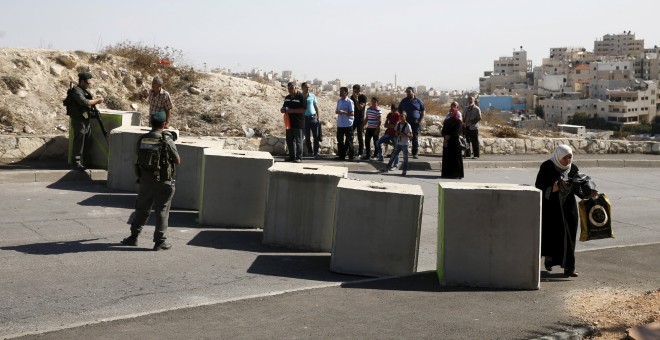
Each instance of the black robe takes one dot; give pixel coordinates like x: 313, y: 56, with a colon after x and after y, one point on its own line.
x: 557, y: 240
x: 452, y: 160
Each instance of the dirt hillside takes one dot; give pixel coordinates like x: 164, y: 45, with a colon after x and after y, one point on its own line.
x: 33, y: 83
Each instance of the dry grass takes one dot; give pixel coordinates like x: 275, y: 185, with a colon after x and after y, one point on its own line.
x: 146, y: 60
x: 505, y: 131
x: 13, y: 84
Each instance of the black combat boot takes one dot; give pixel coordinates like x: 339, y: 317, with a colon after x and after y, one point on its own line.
x: 130, y: 241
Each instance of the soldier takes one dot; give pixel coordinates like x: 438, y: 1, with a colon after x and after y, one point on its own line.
x: 78, y: 104
x: 157, y: 157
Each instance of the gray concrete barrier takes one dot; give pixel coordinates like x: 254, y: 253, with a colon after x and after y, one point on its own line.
x: 489, y: 235
x: 99, y: 148
x: 234, y: 186
x: 122, y: 157
x: 189, y: 172
x: 300, y: 208
x: 377, y: 228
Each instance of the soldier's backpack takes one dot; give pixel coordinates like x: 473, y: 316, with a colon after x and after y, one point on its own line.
x: 68, y: 101
x: 154, y: 159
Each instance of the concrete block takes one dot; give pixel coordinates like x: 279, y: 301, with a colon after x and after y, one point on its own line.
x: 377, y: 228
x: 189, y: 172
x: 654, y: 163
x: 123, y: 155
x: 300, y: 205
x: 234, y: 187
x: 489, y: 235
x: 99, y: 150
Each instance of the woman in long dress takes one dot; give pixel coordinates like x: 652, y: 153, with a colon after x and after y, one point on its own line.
x: 452, y: 161
x: 559, y: 219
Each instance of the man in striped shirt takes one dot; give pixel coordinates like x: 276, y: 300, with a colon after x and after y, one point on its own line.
x: 372, y: 125
x: 160, y: 100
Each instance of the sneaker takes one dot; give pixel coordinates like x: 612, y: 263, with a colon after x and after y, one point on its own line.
x: 130, y: 241
x: 162, y: 246
x: 381, y: 159
x: 404, y: 173
x: 365, y: 157
x: 297, y: 160
x: 415, y: 156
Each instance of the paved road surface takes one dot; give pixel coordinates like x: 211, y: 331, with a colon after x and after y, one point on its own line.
x: 62, y: 266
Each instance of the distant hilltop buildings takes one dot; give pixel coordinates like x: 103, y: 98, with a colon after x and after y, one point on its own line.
x: 618, y: 82
x: 332, y: 86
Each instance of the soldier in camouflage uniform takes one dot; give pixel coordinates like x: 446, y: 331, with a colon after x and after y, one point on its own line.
x: 156, y: 186
x: 78, y: 104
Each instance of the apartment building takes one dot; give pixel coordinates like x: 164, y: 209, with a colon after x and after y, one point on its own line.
x: 630, y: 106
x: 560, y: 110
x: 619, y: 45
x: 507, y: 72
x: 648, y: 66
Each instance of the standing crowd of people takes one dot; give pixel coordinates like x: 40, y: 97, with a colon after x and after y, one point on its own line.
x: 358, y: 117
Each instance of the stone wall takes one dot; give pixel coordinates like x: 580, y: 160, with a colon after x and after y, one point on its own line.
x: 13, y: 148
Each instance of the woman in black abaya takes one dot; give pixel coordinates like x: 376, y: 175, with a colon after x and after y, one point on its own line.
x: 452, y: 161
x: 559, y: 214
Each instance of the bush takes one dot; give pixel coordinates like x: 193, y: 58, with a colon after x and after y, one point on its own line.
x: 114, y: 103
x: 581, y: 118
x: 146, y: 60
x: 13, y: 84
x: 143, y: 57
x: 505, y: 131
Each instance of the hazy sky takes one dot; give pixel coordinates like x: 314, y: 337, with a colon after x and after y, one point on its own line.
x: 441, y: 44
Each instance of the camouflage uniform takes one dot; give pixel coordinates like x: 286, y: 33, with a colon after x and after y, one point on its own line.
x: 155, y: 192
x: 78, y: 109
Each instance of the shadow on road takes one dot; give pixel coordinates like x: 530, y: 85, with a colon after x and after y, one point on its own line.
x: 241, y: 240
x: 68, y: 247
x: 419, y: 282
x: 308, y: 267
x: 110, y: 201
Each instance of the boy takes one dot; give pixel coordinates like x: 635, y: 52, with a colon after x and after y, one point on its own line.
x: 403, y: 134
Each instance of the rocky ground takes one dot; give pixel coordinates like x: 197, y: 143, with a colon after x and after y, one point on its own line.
x: 34, y: 83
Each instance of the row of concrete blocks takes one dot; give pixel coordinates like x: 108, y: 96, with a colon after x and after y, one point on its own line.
x: 370, y: 228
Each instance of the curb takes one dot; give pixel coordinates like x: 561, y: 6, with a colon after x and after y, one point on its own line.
x: 52, y: 176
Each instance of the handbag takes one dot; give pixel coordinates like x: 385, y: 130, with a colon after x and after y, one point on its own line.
x: 595, y: 218
x: 462, y: 143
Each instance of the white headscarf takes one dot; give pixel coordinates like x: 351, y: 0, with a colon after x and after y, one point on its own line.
x: 560, y: 152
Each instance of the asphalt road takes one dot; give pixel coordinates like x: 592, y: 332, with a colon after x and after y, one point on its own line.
x: 61, y: 266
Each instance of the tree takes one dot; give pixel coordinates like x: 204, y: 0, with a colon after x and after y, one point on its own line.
x: 539, y: 112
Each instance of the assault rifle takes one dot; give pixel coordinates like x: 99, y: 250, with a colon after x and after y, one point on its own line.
x: 95, y: 114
